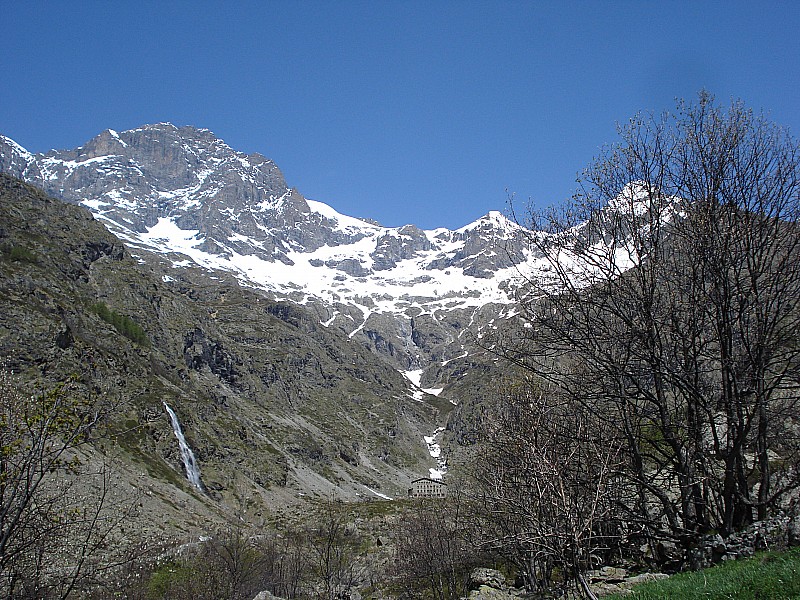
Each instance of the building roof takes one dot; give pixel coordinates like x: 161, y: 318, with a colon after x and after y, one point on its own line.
x: 439, y: 481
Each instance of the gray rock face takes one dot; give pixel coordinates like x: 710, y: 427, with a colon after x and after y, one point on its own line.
x: 393, y: 247
x: 237, y: 203
x: 487, y: 247
x: 484, y: 576
x: 14, y: 159
x: 776, y: 533
x: 489, y: 584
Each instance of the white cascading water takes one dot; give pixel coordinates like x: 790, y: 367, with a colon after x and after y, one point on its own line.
x: 189, y: 461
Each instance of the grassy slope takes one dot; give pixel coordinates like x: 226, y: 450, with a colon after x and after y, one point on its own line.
x: 767, y: 575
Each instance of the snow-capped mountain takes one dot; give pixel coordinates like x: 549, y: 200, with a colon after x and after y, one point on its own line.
x: 171, y: 188
x: 223, y: 243
x: 182, y: 197
x: 184, y: 193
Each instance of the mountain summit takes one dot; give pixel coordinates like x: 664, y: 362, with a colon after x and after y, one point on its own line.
x: 182, y: 193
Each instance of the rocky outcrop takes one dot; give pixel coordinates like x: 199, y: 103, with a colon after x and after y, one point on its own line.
x: 489, y: 584
x: 394, y: 247
x: 489, y: 244
x: 614, y: 580
x: 777, y: 533
x: 200, y: 352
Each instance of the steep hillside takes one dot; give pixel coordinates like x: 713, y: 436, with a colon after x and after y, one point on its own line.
x: 269, y: 399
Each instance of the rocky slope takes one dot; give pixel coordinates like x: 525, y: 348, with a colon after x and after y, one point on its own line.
x: 271, y: 402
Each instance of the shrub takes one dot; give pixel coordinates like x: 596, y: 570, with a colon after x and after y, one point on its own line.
x: 122, y: 323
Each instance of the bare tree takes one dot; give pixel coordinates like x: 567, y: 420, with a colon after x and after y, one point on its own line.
x: 235, y: 563
x: 334, y: 549
x: 670, y: 311
x: 432, y: 554
x: 56, y: 510
x: 545, y: 487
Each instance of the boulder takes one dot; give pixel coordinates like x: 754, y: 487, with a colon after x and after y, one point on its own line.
x: 485, y: 592
x: 483, y: 577
x: 266, y: 595
x: 608, y: 575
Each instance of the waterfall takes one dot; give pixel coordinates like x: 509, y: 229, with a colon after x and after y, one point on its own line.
x: 189, y: 461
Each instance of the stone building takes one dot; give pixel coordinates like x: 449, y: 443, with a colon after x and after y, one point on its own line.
x: 424, y: 487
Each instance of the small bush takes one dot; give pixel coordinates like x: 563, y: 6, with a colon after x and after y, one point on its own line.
x: 122, y: 323
x: 170, y: 580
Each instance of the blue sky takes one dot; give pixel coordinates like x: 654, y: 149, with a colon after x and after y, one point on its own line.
x: 421, y: 112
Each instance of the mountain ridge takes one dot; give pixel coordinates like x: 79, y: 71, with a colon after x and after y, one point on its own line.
x: 165, y: 189
x: 180, y: 196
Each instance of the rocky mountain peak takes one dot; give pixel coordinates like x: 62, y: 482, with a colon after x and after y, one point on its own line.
x: 14, y: 159
x: 240, y: 205
x: 173, y: 190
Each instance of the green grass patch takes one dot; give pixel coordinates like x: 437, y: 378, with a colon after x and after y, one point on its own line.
x: 443, y: 405
x: 771, y: 575
x: 169, y: 580
x: 376, y: 507
x: 18, y: 254
x: 122, y: 323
